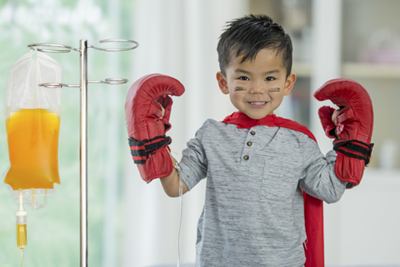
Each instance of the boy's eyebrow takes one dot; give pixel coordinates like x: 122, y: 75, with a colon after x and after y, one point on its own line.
x: 271, y: 71
x: 244, y: 71
x: 265, y: 73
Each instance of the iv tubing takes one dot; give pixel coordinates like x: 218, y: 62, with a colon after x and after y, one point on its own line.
x: 180, y: 219
x: 178, y: 169
x: 22, y: 256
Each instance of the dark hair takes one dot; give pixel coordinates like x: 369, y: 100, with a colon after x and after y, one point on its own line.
x: 248, y: 35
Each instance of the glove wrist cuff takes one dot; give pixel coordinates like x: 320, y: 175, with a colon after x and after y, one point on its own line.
x: 354, y: 149
x: 141, y: 150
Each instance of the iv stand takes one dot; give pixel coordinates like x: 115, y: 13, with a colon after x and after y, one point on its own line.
x: 56, y: 48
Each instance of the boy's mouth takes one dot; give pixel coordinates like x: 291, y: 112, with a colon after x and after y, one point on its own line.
x: 257, y: 104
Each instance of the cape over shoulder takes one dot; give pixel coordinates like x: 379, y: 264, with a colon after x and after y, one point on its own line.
x: 243, y: 121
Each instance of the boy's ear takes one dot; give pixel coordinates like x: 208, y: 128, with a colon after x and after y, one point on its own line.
x: 290, y: 80
x: 223, y: 85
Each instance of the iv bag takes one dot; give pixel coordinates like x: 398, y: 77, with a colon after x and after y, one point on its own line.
x: 33, y: 122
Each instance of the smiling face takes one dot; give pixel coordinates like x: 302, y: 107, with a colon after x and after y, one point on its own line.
x: 257, y: 86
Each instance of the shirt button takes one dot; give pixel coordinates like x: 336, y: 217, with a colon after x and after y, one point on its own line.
x: 246, y: 157
x: 249, y: 143
x: 252, y: 132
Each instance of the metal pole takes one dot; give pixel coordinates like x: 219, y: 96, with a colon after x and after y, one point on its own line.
x: 83, y: 153
x: 83, y: 173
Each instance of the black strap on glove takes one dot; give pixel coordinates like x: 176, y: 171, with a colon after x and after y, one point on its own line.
x: 354, y: 148
x: 141, y: 150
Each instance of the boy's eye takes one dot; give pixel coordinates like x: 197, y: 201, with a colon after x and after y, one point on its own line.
x: 243, y: 78
x: 269, y: 78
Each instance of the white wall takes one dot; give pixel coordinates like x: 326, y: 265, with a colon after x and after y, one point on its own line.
x: 179, y: 38
x: 363, y: 227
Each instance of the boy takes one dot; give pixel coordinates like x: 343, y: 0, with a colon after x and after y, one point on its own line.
x: 254, y: 212
x: 257, y: 164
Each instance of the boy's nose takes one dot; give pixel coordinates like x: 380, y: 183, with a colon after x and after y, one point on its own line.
x: 257, y: 88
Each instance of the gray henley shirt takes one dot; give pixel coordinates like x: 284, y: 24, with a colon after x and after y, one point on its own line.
x: 254, y: 212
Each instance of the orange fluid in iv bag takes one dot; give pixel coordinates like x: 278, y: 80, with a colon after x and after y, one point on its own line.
x: 32, y: 136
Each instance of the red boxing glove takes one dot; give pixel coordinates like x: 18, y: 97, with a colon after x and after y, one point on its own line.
x: 147, y: 126
x: 354, y: 127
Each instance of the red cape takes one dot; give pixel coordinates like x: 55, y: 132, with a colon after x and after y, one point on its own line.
x: 313, y: 207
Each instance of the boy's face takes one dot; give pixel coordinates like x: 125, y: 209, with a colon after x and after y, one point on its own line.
x: 256, y: 87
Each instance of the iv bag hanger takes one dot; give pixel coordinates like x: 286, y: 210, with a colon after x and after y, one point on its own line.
x: 66, y: 49
x: 57, y: 48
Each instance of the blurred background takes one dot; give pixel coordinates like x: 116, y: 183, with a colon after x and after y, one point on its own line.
x: 132, y: 223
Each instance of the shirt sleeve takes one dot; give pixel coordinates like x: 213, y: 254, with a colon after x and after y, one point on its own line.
x: 318, y: 177
x: 194, y: 160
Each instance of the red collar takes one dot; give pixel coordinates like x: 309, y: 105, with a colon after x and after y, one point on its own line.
x: 244, y: 121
